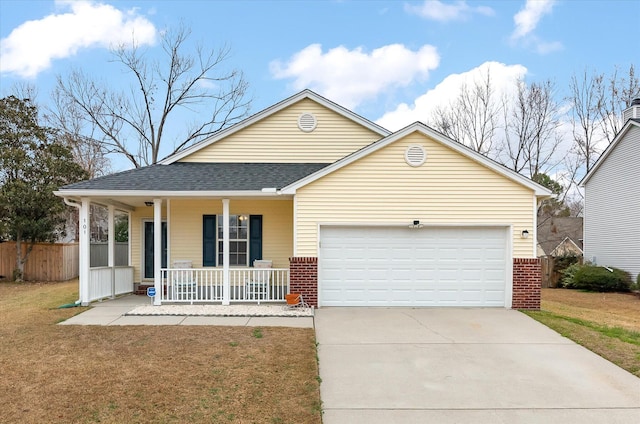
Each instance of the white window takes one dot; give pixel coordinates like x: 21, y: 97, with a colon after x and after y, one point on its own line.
x: 238, y: 240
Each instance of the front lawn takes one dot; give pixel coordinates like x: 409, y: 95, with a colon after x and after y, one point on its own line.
x: 605, y: 323
x: 139, y: 374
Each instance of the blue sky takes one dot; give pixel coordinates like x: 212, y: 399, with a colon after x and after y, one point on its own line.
x: 390, y: 61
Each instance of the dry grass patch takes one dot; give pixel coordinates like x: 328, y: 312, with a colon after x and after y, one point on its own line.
x: 612, y: 309
x: 605, y: 323
x: 143, y: 374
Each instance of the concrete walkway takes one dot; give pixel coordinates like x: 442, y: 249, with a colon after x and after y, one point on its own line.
x: 463, y: 366
x: 114, y: 312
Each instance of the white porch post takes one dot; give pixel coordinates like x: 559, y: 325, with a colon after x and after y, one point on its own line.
x: 129, y: 260
x: 157, y: 248
x: 84, y: 241
x: 112, y: 249
x: 226, y: 287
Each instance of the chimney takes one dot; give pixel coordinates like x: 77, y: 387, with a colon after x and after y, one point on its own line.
x: 633, y: 111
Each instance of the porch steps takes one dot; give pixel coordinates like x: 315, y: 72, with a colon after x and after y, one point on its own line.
x: 141, y: 289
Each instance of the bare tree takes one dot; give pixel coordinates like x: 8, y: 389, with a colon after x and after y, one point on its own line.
x: 24, y: 90
x: 517, y: 129
x: 134, y: 123
x: 597, y: 102
x: 472, y: 118
x: 531, y: 128
x: 80, y: 135
x: 617, y: 92
x: 586, y: 100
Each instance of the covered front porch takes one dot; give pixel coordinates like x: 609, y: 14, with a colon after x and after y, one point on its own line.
x: 193, y: 250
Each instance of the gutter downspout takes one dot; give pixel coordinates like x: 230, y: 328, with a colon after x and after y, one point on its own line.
x: 77, y: 206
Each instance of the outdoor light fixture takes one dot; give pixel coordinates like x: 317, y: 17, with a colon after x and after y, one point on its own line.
x: 525, y: 234
x: 416, y: 224
x: 148, y: 203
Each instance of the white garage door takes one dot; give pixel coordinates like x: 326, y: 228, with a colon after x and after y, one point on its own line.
x: 400, y: 266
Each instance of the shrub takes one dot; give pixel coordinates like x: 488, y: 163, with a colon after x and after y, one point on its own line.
x: 601, y: 279
x: 636, y: 286
x: 567, y: 279
x: 560, y: 263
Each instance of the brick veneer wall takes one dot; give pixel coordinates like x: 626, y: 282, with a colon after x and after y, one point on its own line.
x: 303, y: 278
x: 527, y: 280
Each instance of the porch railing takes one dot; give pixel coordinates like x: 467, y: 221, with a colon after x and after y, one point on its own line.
x: 206, y: 285
x: 101, y: 285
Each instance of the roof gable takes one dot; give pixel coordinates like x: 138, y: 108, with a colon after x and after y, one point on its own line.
x: 631, y: 124
x: 373, y: 130
x: 433, y: 135
x: 567, y: 247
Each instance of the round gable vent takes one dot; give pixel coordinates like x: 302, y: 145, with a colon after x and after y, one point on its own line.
x: 415, y: 155
x: 307, y: 122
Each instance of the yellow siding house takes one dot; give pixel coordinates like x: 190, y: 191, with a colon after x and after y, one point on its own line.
x: 308, y: 197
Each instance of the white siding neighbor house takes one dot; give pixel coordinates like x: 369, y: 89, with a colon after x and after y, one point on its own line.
x: 612, y: 200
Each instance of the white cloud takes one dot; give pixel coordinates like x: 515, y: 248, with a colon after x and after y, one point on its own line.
x: 527, y: 19
x: 502, y: 79
x: 351, y: 76
x: 438, y: 11
x: 30, y: 48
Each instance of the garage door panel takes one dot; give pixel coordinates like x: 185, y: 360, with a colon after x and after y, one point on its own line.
x: 387, y: 266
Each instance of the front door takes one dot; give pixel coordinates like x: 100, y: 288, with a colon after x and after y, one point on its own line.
x: 148, y: 248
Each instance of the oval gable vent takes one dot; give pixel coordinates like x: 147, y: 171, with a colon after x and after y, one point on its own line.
x: 415, y: 155
x: 307, y: 122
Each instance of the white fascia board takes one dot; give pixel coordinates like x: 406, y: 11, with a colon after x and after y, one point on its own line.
x: 625, y: 129
x: 539, y: 190
x: 77, y: 199
x: 164, y: 194
x: 306, y: 94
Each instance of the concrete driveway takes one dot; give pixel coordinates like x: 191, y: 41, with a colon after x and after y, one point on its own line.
x: 382, y: 365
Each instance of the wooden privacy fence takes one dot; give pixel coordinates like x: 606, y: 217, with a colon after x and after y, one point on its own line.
x: 552, y: 272
x: 549, y: 278
x: 47, y: 262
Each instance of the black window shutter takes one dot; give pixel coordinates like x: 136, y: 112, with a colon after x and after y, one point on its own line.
x: 209, y: 240
x: 255, y: 238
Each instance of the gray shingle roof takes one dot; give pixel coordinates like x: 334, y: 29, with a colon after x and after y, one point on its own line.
x: 202, y: 177
x: 552, y: 231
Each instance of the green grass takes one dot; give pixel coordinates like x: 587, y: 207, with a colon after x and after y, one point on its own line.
x: 619, y: 333
x: 616, y: 344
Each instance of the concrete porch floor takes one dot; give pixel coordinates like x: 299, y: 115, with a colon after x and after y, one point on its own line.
x: 133, y: 310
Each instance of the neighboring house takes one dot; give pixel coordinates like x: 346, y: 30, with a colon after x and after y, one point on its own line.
x: 566, y: 247
x: 342, y: 210
x: 560, y: 236
x: 612, y: 200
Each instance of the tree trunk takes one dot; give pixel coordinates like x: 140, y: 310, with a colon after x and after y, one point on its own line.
x: 18, y: 272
